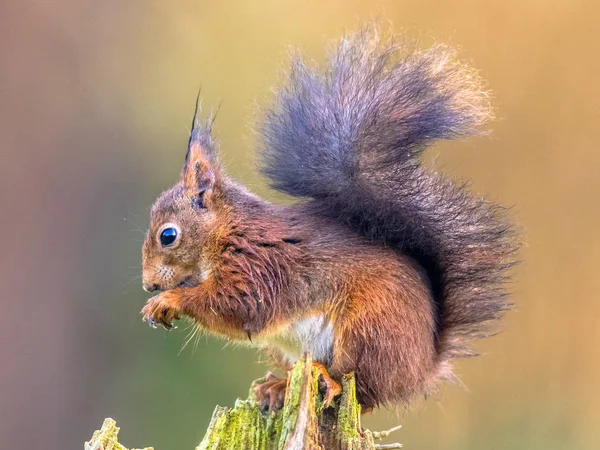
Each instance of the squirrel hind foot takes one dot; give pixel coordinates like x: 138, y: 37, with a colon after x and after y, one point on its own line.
x: 327, y: 385
x: 270, y: 393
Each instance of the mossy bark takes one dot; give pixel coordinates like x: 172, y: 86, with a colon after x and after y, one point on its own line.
x: 106, y: 438
x: 303, y: 423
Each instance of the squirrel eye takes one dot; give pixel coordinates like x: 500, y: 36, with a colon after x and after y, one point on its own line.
x: 168, y: 236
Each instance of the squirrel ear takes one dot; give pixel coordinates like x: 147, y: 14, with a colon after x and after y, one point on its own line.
x: 200, y: 168
x: 197, y: 177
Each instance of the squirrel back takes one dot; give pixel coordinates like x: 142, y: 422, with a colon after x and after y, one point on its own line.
x: 351, y: 138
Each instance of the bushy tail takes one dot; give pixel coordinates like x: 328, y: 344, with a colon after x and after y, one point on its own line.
x: 351, y: 137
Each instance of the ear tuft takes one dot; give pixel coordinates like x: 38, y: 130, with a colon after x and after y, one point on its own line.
x: 201, y: 134
x: 198, y: 174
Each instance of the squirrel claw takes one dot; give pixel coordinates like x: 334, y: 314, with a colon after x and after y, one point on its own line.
x: 167, y: 325
x: 151, y: 322
x: 331, y: 390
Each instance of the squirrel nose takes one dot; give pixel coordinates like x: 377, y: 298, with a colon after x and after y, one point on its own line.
x: 150, y: 287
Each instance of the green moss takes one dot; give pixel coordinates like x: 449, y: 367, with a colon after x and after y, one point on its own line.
x: 292, y: 402
x: 215, y: 433
x: 348, y: 414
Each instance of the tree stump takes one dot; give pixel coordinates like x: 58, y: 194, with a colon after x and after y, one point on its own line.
x: 303, y: 423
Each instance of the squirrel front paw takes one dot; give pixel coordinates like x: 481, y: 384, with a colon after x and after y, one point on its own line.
x: 162, y: 309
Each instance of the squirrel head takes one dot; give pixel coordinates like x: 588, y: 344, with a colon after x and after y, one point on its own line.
x: 186, y: 221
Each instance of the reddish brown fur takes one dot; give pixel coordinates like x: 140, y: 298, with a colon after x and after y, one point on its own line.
x: 388, y: 271
x: 272, y: 265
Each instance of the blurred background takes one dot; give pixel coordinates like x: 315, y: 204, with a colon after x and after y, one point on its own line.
x: 96, y: 99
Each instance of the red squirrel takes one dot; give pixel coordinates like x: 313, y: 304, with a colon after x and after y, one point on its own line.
x: 383, y: 267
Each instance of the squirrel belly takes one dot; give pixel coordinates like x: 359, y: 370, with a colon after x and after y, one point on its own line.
x: 313, y: 334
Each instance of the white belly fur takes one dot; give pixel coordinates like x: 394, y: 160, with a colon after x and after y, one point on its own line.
x: 313, y: 334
